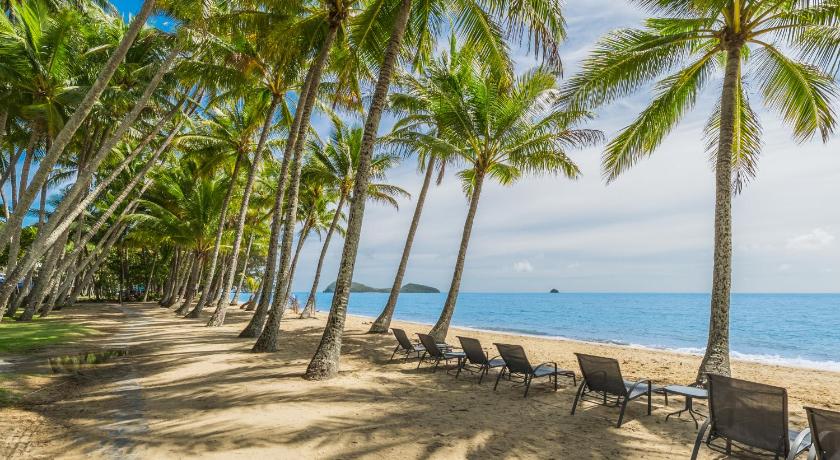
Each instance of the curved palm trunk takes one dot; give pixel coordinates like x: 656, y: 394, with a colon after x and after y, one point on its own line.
x: 218, y: 317
x: 189, y: 292
x: 75, y: 121
x: 301, y: 241
x: 383, y: 322
x: 169, y: 284
x: 309, y: 309
x: 255, y: 325
x: 217, y: 246
x: 151, y: 277
x: 324, y: 364
x: 14, y: 243
x: 716, y: 358
x: 244, y: 271
x: 267, y: 341
x: 441, y: 328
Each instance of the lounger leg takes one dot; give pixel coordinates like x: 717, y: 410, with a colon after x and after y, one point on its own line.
x: 434, y: 369
x: 577, y: 396
x: 650, y: 393
x: 621, y: 414
x: 421, y: 360
x: 481, y: 375
x: 527, y: 385
x: 499, y: 377
x: 699, y: 440
x: 555, y: 382
x: 460, y: 366
x: 394, y: 353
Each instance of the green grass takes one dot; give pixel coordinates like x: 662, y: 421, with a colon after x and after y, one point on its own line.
x: 18, y: 337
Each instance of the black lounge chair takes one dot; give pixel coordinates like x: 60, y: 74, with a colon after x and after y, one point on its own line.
x: 516, y: 363
x: 749, y: 414
x: 824, y: 434
x: 477, y: 360
x: 602, y: 376
x: 438, y: 352
x: 404, y: 345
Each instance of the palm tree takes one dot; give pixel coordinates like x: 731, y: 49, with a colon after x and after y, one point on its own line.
x: 333, y: 18
x: 688, y: 43
x: 540, y: 20
x: 499, y: 131
x: 335, y: 165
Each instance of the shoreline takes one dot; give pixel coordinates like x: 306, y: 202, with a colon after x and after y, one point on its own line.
x: 767, y: 360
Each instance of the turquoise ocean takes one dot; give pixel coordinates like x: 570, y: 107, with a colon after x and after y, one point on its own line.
x: 787, y: 329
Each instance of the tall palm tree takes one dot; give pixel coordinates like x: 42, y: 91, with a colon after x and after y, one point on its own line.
x: 329, y: 21
x: 539, y: 20
x: 335, y: 165
x: 500, y: 131
x: 684, y: 47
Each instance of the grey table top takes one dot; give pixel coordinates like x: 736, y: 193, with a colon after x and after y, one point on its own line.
x: 683, y: 390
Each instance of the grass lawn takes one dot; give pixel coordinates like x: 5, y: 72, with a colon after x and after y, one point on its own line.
x: 18, y: 337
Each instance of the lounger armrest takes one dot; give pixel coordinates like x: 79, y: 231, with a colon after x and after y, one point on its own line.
x: 547, y: 363
x: 640, y: 382
x: 799, y: 444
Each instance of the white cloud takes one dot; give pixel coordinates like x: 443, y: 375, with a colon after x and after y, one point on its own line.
x: 785, y: 267
x: 523, y: 266
x: 817, y: 238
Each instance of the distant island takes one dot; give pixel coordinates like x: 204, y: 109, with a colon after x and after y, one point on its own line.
x: 409, y: 288
x: 554, y: 291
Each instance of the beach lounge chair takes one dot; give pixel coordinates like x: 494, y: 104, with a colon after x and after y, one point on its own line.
x: 477, y: 359
x: 824, y: 434
x: 602, y: 376
x: 438, y: 352
x: 749, y: 414
x: 516, y: 363
x: 404, y: 345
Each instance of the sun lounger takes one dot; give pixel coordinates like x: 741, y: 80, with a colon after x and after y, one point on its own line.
x: 437, y: 352
x: 824, y: 435
x: 477, y: 359
x: 748, y: 414
x: 602, y: 376
x: 404, y: 345
x: 516, y: 363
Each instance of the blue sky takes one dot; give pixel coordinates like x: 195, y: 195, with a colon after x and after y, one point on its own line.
x: 649, y: 231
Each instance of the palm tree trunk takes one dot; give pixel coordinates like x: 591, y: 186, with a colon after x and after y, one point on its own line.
x: 309, y: 309
x: 301, y: 240
x: 441, y: 328
x: 383, y: 322
x: 267, y: 341
x: 255, y: 325
x: 14, y: 244
x: 189, y: 293
x: 63, y: 138
x: 716, y: 358
x: 244, y: 270
x: 169, y: 283
x: 218, y: 317
x: 205, y: 292
x: 151, y: 277
x: 324, y: 364
x: 30, y: 154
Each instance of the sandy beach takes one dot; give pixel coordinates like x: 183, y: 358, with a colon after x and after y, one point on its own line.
x: 188, y: 391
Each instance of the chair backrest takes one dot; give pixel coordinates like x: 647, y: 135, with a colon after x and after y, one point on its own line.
x: 430, y: 345
x: 514, y: 357
x: 602, y: 374
x: 825, y: 432
x: 402, y: 339
x: 751, y: 413
x: 472, y: 348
